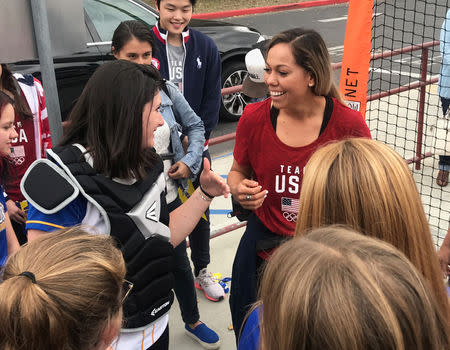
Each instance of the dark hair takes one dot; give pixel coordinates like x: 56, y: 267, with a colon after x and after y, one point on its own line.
x: 4, y: 100
x: 310, y: 52
x: 107, y: 118
x: 158, y: 3
x: 6, y: 168
x: 9, y: 83
x: 126, y: 30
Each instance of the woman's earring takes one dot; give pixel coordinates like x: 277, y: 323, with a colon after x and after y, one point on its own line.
x: 311, y: 84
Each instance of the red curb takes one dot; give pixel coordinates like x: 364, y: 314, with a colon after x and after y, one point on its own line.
x: 274, y: 8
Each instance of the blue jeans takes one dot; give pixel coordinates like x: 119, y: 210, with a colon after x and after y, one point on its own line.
x: 247, y: 271
x: 444, y: 160
x: 184, y: 280
x: 199, y: 238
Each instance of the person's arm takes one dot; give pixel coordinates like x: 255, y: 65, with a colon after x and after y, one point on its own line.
x: 246, y: 191
x: 39, y: 223
x: 11, y: 239
x: 192, y: 127
x: 185, y: 217
x: 445, y: 40
x: 33, y: 234
x: 444, y: 254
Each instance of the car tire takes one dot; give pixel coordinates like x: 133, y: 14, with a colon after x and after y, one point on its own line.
x: 232, y: 105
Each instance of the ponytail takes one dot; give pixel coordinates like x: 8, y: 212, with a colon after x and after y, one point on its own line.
x: 60, y: 292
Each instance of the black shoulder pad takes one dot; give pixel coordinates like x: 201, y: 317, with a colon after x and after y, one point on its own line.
x: 47, y: 187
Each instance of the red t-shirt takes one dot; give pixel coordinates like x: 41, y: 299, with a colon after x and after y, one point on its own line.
x: 33, y: 134
x: 279, y: 168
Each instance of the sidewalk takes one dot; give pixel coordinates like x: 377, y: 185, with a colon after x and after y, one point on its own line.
x: 215, y: 315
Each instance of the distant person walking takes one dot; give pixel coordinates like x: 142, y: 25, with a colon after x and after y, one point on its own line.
x: 444, y: 93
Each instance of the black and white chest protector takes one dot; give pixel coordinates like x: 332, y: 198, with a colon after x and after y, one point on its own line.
x: 135, y: 215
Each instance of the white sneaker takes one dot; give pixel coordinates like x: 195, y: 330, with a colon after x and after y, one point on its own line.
x: 212, y: 290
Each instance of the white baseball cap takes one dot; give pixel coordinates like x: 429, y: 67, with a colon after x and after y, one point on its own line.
x: 253, y: 85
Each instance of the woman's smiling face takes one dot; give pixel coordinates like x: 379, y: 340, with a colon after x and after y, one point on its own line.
x: 151, y: 120
x: 288, y: 83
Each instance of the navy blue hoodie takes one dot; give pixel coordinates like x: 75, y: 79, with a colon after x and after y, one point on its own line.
x: 202, y: 73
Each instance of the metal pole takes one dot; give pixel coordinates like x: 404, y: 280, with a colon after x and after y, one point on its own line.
x: 43, y: 43
x: 423, y: 79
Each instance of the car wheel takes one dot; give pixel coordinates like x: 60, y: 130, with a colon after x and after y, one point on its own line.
x: 233, y: 105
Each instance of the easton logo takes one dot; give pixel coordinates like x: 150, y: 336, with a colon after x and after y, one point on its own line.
x: 158, y: 309
x: 151, y: 213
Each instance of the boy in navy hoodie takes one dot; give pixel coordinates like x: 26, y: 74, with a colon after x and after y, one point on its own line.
x: 191, y: 61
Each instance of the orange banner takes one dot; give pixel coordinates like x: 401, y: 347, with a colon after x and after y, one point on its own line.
x: 356, y: 58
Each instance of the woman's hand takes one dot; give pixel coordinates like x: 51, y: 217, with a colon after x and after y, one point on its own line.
x: 15, y: 213
x: 179, y: 171
x: 250, y: 194
x: 212, y: 182
x: 247, y: 192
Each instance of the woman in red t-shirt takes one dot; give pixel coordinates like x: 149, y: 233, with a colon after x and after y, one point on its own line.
x: 274, y: 140
x: 31, y: 124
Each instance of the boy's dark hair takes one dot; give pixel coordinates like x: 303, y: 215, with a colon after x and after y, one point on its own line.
x: 158, y: 3
x: 107, y: 118
x: 126, y: 30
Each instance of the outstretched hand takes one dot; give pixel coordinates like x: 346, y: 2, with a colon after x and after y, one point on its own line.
x: 212, y: 182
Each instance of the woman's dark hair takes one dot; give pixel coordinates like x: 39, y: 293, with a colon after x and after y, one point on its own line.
x: 6, y: 167
x: 107, y: 118
x: 9, y: 83
x: 126, y: 30
x: 158, y: 3
x: 310, y: 52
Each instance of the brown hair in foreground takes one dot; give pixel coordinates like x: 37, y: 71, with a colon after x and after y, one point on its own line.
x: 367, y: 186
x: 337, y: 289
x: 77, y: 294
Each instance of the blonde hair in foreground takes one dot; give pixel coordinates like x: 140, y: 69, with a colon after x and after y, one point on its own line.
x: 77, y: 293
x: 367, y: 186
x: 335, y: 289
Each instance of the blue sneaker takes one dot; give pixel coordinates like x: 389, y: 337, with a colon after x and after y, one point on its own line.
x: 204, y: 335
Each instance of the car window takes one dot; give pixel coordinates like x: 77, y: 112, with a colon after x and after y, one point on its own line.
x: 106, y: 15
